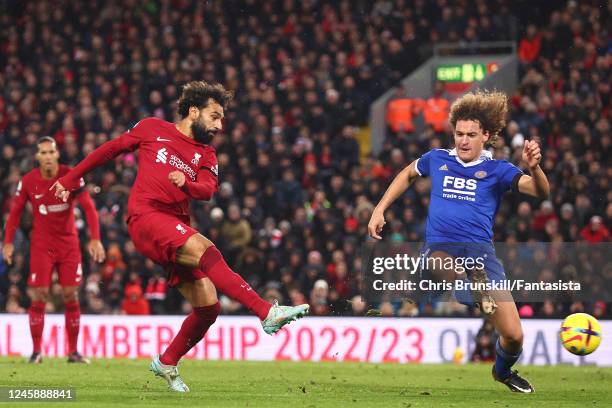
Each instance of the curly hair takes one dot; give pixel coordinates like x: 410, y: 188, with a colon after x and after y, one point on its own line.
x: 489, y: 108
x: 198, y: 93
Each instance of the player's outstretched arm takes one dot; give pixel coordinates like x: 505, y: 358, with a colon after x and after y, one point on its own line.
x: 398, y: 186
x: 535, y: 185
x: 128, y: 141
x: 12, y: 223
x: 94, y: 247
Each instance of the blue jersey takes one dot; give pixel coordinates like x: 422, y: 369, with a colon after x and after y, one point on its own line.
x: 465, y: 197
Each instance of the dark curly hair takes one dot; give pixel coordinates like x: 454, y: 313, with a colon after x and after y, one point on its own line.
x: 489, y: 108
x: 198, y: 93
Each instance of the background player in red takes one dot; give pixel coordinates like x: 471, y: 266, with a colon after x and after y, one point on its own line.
x: 54, y: 244
x: 177, y: 164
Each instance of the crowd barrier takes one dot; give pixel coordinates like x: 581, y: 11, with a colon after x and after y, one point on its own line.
x: 356, y: 339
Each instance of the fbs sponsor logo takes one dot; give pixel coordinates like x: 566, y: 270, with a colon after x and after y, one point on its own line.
x: 459, y: 188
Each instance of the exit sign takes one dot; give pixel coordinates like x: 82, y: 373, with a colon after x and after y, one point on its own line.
x: 464, y: 72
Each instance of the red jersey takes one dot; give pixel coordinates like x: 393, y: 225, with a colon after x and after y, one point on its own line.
x: 162, y: 149
x: 53, y: 226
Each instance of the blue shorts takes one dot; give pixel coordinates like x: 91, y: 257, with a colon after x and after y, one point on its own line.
x: 482, y: 254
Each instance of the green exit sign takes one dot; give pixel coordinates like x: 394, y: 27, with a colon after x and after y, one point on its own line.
x: 463, y: 72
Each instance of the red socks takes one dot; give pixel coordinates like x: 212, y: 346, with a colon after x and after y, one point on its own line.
x: 232, y: 284
x: 37, y: 323
x: 72, y: 314
x: 200, y: 319
x: 192, y: 331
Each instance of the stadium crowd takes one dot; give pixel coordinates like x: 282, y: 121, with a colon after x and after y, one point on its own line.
x: 295, y: 195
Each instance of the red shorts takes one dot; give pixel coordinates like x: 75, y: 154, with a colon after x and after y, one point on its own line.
x: 158, y: 236
x: 44, y: 260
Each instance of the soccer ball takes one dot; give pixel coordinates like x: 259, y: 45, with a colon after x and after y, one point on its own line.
x: 580, y: 334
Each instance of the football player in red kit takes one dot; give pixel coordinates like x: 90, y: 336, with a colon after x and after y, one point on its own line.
x: 176, y: 164
x: 54, y: 244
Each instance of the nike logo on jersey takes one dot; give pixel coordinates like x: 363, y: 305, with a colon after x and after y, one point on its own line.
x: 162, y: 156
x: 159, y: 139
x: 38, y: 196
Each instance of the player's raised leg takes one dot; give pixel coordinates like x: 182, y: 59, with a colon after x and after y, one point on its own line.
x: 203, y: 298
x: 509, y: 345
x: 200, y: 252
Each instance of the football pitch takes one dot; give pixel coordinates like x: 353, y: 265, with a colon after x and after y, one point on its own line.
x: 288, y: 384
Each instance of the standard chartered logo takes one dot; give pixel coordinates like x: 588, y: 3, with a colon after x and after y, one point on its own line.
x: 162, y: 156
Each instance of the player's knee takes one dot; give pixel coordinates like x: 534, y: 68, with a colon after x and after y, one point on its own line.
x: 205, y: 293
x: 40, y: 294
x: 70, y: 296
x: 190, y: 254
x: 200, y: 245
x: 514, y: 339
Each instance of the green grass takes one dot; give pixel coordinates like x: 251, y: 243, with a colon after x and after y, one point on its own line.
x: 286, y: 384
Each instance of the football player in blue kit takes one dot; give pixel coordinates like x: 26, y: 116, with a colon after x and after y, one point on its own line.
x: 467, y: 185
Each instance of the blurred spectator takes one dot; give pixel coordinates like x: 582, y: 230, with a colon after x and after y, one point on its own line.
x: 526, y: 311
x: 319, y: 298
x: 235, y: 231
x: 529, y: 47
x: 595, y: 231
x: 542, y: 216
x: 408, y: 309
x: 155, y: 293
x: 14, y: 299
x: 386, y: 309
x: 435, y: 109
x: 134, y: 302
x: 358, y: 306
x: 400, y: 112
x: 485, y: 344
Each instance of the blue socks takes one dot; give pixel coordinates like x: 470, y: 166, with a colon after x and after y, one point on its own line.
x: 504, y: 361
